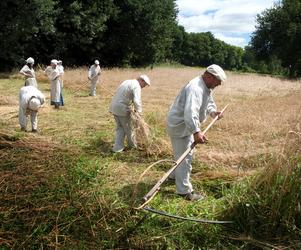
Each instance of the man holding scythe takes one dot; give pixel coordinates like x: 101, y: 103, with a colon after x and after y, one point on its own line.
x: 189, y: 109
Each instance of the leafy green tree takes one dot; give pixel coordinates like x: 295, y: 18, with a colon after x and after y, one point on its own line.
x: 278, y: 35
x: 81, y: 25
x: 22, y: 22
x: 141, y: 33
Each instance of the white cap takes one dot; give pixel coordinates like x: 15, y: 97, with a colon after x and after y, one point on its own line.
x: 59, y: 62
x: 34, y: 104
x: 217, y: 71
x: 146, y: 79
x: 54, y: 61
x: 30, y: 60
x: 96, y: 62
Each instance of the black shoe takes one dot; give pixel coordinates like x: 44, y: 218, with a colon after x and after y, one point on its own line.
x: 23, y: 129
x: 192, y: 196
x: 34, y: 131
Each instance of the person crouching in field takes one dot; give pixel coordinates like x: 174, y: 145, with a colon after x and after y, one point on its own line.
x: 53, y: 74
x: 190, y: 108
x: 28, y: 72
x: 30, y: 100
x: 129, y: 92
x: 93, y: 76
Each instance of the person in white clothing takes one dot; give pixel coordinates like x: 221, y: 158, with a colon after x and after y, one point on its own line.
x: 53, y: 74
x: 30, y: 100
x: 189, y: 109
x: 60, y: 68
x: 93, y: 76
x: 128, y: 93
x: 29, y: 73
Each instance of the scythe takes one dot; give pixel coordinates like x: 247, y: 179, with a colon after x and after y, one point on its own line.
x: 155, y: 189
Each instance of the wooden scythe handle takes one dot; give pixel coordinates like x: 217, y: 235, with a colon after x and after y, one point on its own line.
x: 150, y: 195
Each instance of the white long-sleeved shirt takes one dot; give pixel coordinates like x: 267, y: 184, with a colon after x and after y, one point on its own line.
x: 127, y: 93
x: 94, y: 72
x: 190, y: 108
x: 25, y: 94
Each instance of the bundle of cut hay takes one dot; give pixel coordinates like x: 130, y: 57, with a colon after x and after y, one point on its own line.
x: 145, y: 139
x: 141, y: 130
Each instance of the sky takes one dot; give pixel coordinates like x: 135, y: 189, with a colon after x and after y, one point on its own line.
x: 231, y: 21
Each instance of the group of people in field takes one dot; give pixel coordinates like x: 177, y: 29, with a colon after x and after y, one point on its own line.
x: 31, y: 98
x: 190, y: 108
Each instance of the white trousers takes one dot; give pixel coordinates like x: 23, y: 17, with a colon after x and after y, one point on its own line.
x: 123, y: 128
x: 23, y: 116
x: 93, y: 86
x: 182, y: 173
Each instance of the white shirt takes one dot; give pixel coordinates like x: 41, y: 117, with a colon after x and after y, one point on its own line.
x: 190, y: 108
x: 29, y: 73
x: 60, y: 69
x: 26, y: 93
x: 52, y: 73
x: 127, y: 93
x: 94, y: 71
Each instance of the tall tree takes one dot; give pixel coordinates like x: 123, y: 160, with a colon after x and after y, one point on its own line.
x: 278, y: 35
x: 24, y: 21
x: 141, y: 33
x: 80, y: 27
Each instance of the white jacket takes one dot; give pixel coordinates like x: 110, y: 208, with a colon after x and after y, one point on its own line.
x: 25, y: 94
x: 94, y: 72
x: 190, y: 108
x: 127, y: 93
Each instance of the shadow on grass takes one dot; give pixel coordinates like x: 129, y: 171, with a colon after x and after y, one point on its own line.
x: 101, y: 146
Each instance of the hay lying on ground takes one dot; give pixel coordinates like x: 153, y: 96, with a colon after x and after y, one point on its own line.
x: 145, y: 139
x: 8, y: 100
x: 141, y: 130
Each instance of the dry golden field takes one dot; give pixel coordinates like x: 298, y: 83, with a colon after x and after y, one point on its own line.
x: 261, y: 113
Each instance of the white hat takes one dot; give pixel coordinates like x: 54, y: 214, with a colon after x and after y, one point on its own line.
x: 59, y: 62
x: 96, y: 62
x: 34, y: 104
x: 146, y: 79
x: 30, y: 60
x: 217, y: 71
x: 54, y: 61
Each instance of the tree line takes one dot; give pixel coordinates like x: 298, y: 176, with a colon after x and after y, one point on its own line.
x: 139, y: 33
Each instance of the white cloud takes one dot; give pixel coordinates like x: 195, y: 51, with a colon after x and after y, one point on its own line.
x: 228, y: 20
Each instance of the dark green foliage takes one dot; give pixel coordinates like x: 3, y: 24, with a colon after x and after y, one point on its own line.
x: 119, y: 33
x: 278, y: 36
x: 22, y: 24
x: 202, y: 49
x: 141, y: 33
